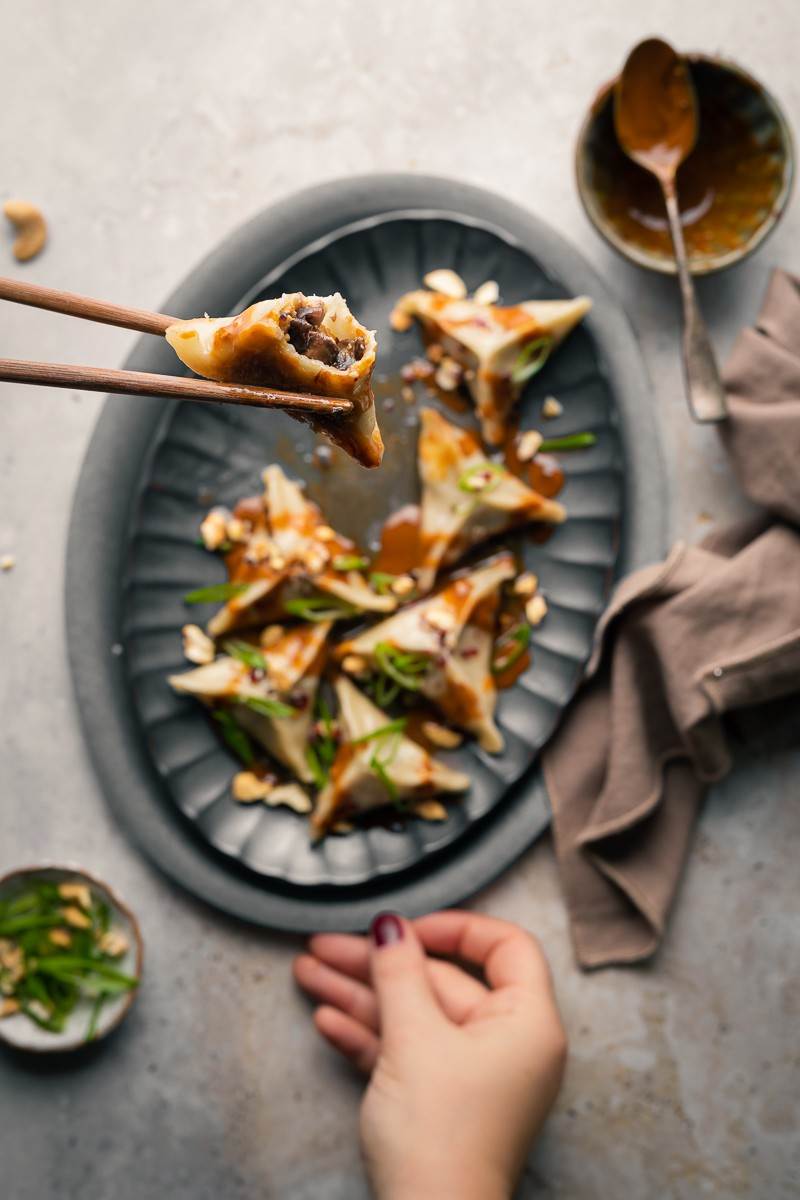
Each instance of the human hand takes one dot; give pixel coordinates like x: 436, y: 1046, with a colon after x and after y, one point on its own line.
x: 463, y: 1073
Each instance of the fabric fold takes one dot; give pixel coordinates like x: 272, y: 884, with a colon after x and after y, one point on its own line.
x: 690, y: 653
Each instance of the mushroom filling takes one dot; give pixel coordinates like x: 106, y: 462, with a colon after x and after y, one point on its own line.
x: 305, y: 335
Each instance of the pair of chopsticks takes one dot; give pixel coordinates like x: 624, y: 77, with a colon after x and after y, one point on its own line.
x: 138, y: 383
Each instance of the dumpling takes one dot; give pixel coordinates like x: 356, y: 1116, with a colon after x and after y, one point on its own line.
x: 290, y: 562
x: 440, y: 647
x: 303, y: 343
x: 376, y: 764
x: 273, y: 702
x: 466, y: 497
x: 499, y: 347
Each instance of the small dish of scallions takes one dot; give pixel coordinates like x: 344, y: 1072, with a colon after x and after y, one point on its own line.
x: 70, y: 959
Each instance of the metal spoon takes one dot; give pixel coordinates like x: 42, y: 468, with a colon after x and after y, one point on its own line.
x: 655, y: 117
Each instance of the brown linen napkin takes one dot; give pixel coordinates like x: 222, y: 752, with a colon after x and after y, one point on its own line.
x: 691, y: 653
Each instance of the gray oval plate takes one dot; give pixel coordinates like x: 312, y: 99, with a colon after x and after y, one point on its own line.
x: 150, y: 470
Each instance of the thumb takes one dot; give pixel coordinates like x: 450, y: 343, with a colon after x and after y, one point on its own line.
x: 399, y: 976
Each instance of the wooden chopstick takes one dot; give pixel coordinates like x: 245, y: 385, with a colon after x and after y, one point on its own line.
x: 74, y: 305
x: 102, y: 379
x: 142, y: 383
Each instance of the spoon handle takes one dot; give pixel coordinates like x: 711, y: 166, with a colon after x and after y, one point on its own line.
x: 704, y: 389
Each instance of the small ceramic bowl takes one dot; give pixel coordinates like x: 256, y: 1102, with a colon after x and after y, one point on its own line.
x: 22, y: 1033
x: 733, y: 188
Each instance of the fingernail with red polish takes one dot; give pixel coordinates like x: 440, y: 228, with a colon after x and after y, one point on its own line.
x: 386, y: 929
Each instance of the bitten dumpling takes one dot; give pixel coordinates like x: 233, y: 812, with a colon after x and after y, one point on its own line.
x: 498, y: 347
x: 303, y: 343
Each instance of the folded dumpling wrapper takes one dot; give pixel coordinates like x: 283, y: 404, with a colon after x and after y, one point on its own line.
x: 288, y: 558
x: 488, y: 340
x: 466, y: 498
x: 458, y: 679
x: 294, y: 665
x: 296, y: 342
x: 357, y: 784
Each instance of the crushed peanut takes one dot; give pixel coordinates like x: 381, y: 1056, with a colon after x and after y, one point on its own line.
x: 75, y: 917
x: 8, y: 1007
x: 238, y: 530
x: 7, y: 562
x: 448, y: 375
x: 324, y: 533
x: 440, y: 735
x: 430, y: 810
x: 446, y: 282
x: 408, y: 395
x: 291, y: 795
x: 114, y: 943
x: 435, y: 352
x: 536, y: 610
x: 402, y: 585
x: 316, y: 559
x: 60, y: 937
x: 525, y: 584
x: 247, y: 788
x: 528, y: 445
x: 343, y: 827
x: 270, y: 635
x: 487, y: 293
x: 355, y: 664
x: 214, y: 528
x: 80, y: 892
x: 259, y: 548
x: 551, y: 407
x: 197, y: 645
x: 442, y: 620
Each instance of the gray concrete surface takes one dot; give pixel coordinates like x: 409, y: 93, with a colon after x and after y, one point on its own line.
x: 147, y: 131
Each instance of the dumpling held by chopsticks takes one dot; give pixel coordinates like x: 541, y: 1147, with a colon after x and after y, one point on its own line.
x: 300, y: 343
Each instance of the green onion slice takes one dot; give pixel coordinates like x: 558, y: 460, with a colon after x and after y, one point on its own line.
x: 531, y: 359
x: 481, y: 477
x: 250, y: 655
x: 235, y: 737
x: 319, y: 608
x: 265, y: 706
x: 510, y: 647
x: 215, y: 593
x: 349, y: 562
x: 406, y: 669
x: 382, y: 731
x: 570, y: 441
x: 381, y: 582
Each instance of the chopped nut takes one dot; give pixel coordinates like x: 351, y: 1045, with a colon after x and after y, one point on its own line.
x: 528, y: 445
x: 80, y: 892
x: 247, y: 787
x: 417, y: 369
x: 440, y: 735
x: 487, y: 293
x: 430, y: 810
x: 214, y: 528
x: 402, y: 585
x: 259, y: 548
x: 435, y: 352
x: 408, y: 395
x: 8, y: 1006
x: 197, y: 646
x: 277, y: 562
x: 114, y: 943
x: 75, y: 917
x: 400, y: 320
x: 446, y: 282
x: 551, y: 407
x: 355, y: 664
x: 536, y: 610
x: 324, y: 533
x: 12, y: 966
x: 7, y: 562
x: 30, y: 225
x: 271, y: 635
x: 525, y: 584
x: 343, y: 827
x: 238, y: 530
x: 448, y: 375
x: 316, y: 559
x: 291, y: 795
x: 61, y: 937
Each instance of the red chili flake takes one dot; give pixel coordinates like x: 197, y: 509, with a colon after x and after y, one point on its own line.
x: 257, y: 674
